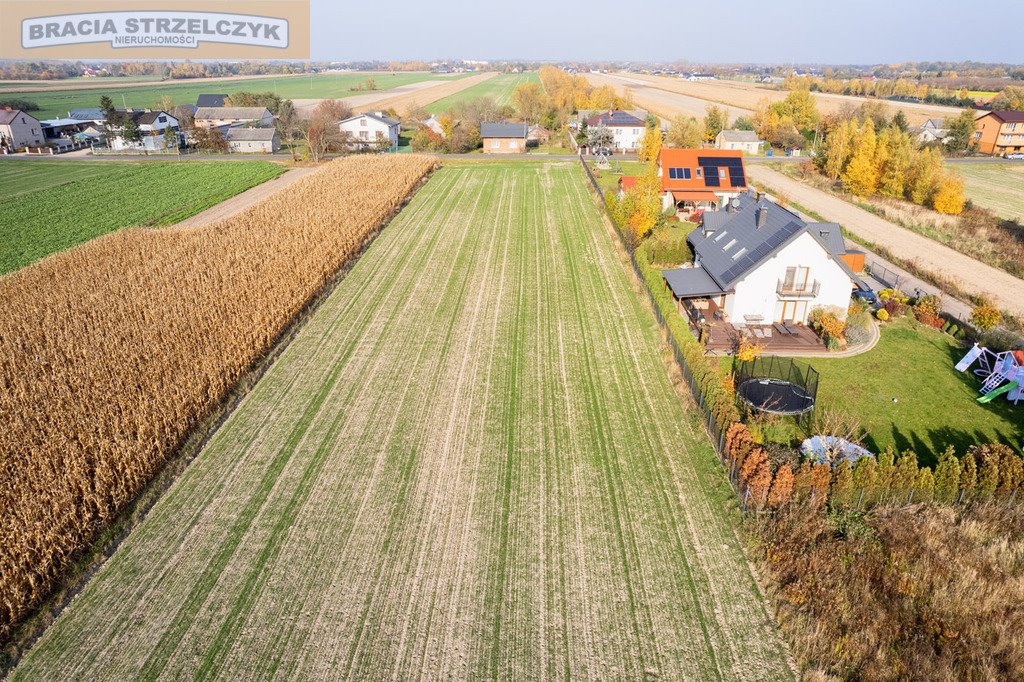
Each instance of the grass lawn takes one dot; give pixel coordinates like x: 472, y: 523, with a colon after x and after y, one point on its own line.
x: 470, y: 463
x: 318, y: 86
x: 998, y: 187
x: 55, y: 205
x: 936, y: 406
x: 499, y: 89
x: 608, y: 180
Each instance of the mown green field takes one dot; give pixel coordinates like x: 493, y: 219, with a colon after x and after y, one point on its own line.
x: 50, y: 206
x: 998, y: 187
x: 499, y: 88
x: 470, y: 463
x: 317, y: 86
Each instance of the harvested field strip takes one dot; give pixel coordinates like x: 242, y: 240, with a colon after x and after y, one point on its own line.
x: 469, y: 463
x: 112, y: 352
x: 443, y: 91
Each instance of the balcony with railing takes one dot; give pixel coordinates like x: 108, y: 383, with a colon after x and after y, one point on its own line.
x: 791, y: 290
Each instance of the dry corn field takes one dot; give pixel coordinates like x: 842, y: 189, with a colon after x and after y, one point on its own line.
x: 470, y: 463
x: 692, y: 97
x: 111, y: 352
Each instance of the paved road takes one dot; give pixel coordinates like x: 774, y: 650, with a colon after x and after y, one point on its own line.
x: 974, y: 276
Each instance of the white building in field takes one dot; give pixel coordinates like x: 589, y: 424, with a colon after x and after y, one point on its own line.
x: 152, y: 127
x: 366, y: 129
x: 745, y: 141
x: 253, y: 140
x: 758, y: 263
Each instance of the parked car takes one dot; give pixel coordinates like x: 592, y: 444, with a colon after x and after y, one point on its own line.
x: 866, y: 295
x: 1016, y: 156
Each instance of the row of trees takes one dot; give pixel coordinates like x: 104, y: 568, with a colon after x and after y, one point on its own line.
x: 988, y: 471
x: 788, y: 123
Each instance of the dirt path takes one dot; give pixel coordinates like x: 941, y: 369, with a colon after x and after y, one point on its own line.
x: 1005, y: 289
x: 230, y: 207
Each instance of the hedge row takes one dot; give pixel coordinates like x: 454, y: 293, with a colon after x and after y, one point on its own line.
x: 992, y: 471
x: 720, y: 402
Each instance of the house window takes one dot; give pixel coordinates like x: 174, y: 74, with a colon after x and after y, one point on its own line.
x: 362, y: 122
x: 513, y: 144
x: 797, y: 278
x: 162, y: 119
x: 495, y: 144
x: 364, y: 135
x: 700, y: 173
x: 738, y: 254
x: 729, y: 245
x: 721, y: 173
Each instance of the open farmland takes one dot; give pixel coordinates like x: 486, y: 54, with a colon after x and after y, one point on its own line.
x: 57, y: 103
x: 54, y: 205
x: 744, y: 97
x: 470, y: 463
x: 996, y: 186
x: 499, y: 88
x: 113, y: 351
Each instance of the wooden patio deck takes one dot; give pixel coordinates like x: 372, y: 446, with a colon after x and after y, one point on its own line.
x: 721, y: 337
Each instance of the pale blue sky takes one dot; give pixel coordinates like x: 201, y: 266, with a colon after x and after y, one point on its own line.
x: 771, y: 31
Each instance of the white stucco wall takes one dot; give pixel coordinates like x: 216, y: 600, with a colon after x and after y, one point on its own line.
x: 364, y: 130
x: 757, y: 293
x: 627, y: 138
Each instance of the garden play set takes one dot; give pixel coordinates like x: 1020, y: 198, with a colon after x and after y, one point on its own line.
x: 1003, y: 373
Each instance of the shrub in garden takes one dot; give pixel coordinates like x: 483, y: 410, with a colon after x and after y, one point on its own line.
x: 856, y: 336
x: 882, y: 314
x: 781, y: 491
x: 998, y: 340
x: 986, y: 315
x: 748, y: 350
x: 821, y: 478
x: 953, y: 329
x: 895, y: 308
x: 893, y: 295
x: 926, y: 310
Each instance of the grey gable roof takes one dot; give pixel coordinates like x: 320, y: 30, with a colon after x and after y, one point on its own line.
x: 740, y: 136
x: 251, y: 134
x: 503, y: 130
x: 730, y: 245
x: 210, y: 100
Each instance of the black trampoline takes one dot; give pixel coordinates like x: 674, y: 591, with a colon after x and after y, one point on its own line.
x: 775, y: 396
x: 777, y: 385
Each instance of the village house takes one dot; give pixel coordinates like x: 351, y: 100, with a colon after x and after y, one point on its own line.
x: 367, y: 130
x: 152, y: 126
x: 745, y: 141
x: 700, y: 179
x: 933, y: 130
x: 1000, y: 132
x: 627, y: 130
x: 504, y: 138
x: 253, y: 140
x: 434, y: 125
x: 19, y: 130
x: 757, y: 263
x: 207, y: 117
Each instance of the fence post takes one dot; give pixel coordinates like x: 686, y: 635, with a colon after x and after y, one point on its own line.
x: 963, y: 492
x: 860, y: 499
x: 910, y: 497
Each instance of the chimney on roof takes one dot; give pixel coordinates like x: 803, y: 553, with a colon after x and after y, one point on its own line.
x: 760, y: 196
x: 762, y: 216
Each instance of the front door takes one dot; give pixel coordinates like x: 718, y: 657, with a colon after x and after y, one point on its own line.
x: 791, y: 311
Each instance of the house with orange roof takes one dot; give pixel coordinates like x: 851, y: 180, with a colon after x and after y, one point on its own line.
x: 700, y: 179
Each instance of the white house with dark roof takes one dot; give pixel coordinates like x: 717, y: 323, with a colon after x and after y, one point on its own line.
x: 19, y: 129
x: 757, y: 263
x: 366, y: 129
x: 627, y: 129
x: 152, y: 124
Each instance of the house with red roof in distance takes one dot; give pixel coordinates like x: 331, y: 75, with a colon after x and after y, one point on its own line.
x: 627, y: 129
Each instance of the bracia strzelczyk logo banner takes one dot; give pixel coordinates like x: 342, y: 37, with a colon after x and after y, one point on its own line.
x: 218, y: 29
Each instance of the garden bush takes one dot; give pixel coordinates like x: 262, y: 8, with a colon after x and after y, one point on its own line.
x: 882, y: 314
x: 986, y: 316
x: 856, y: 336
x: 999, y: 340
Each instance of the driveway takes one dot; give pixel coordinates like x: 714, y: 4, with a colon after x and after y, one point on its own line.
x: 972, y: 275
